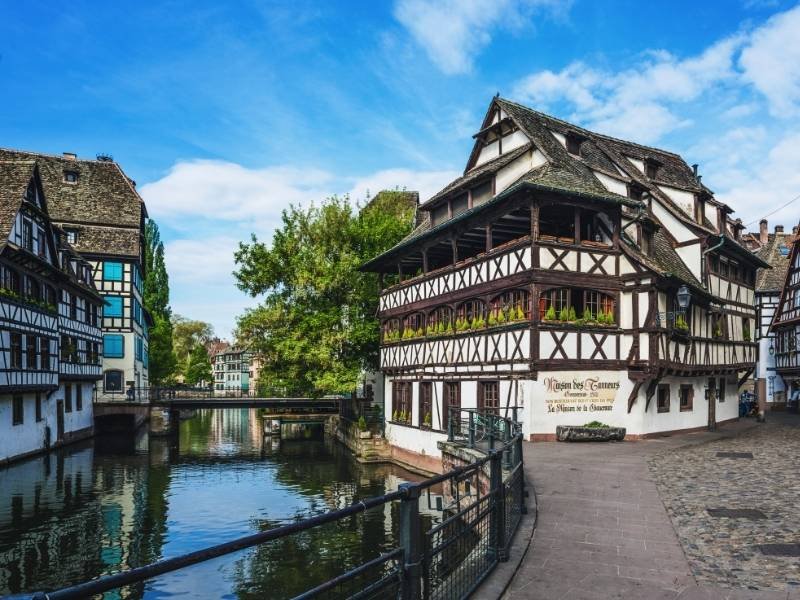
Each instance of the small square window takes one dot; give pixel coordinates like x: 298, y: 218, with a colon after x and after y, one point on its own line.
x: 112, y: 271
x: 72, y: 236
x: 573, y: 145
x: 70, y: 177
x: 113, y: 306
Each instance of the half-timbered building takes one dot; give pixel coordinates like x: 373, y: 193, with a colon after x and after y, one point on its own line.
x: 103, y: 217
x: 572, y: 275
x: 786, y: 328
x: 45, y: 356
x: 774, y: 249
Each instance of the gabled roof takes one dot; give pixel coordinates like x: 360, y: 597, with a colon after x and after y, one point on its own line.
x: 103, y: 197
x: 786, y: 289
x: 773, y: 280
x: 15, y: 176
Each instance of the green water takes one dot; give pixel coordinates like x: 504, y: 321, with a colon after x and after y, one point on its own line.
x: 120, y: 502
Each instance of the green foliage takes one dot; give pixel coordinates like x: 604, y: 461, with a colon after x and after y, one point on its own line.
x: 396, y: 416
x: 427, y: 420
x: 316, y: 327
x: 680, y: 323
x: 362, y: 423
x: 563, y: 314
x: 572, y: 315
x: 595, y: 425
x: 492, y: 319
x: 155, y: 298
x: 587, y: 315
x: 199, y: 367
x: 550, y: 315
x: 478, y: 322
x: 520, y: 314
x: 501, y: 316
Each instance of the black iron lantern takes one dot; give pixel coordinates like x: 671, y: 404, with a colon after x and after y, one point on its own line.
x: 684, y: 297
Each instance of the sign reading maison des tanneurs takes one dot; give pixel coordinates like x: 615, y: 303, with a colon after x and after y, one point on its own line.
x: 580, y: 392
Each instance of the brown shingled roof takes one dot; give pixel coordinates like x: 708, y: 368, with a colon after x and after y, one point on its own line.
x: 103, y: 195
x: 772, y: 280
x: 15, y: 176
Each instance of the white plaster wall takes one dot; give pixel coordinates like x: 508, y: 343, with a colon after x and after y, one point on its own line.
x: 765, y: 368
x: 676, y: 419
x: 639, y: 164
x: 28, y: 437
x: 421, y: 441
x: 692, y: 258
x: 513, y: 141
x: 711, y: 214
x: 685, y: 200
x: 512, y: 171
x: 77, y: 419
x: 560, y: 137
x: 626, y: 310
x: 679, y: 231
x: 488, y: 152
x: 537, y: 159
x: 612, y: 184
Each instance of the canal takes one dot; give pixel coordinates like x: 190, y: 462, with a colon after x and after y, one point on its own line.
x: 118, y: 502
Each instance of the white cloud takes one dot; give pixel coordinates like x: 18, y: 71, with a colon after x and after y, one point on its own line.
x: 453, y: 32
x: 632, y: 103
x: 205, y: 208
x: 771, y: 62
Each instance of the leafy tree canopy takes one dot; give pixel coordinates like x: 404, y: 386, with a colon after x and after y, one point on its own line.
x: 186, y: 334
x: 199, y: 367
x: 155, y: 297
x: 316, y: 329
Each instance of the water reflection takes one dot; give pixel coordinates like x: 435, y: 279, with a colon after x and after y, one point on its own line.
x: 119, y: 502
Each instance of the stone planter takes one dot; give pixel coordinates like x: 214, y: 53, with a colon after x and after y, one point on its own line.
x: 364, y: 435
x: 577, y: 433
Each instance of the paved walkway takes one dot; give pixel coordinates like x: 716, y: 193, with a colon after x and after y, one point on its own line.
x: 603, y: 531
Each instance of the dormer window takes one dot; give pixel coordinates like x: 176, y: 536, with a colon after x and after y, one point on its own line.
x: 71, y: 177
x: 651, y: 168
x: 574, y: 144
x: 635, y: 192
x: 72, y: 236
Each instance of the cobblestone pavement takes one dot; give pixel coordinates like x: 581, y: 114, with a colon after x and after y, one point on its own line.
x: 723, y: 550
x: 603, y: 531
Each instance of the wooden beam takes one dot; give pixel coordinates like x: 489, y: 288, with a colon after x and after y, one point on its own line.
x: 634, y: 393
x: 488, y: 237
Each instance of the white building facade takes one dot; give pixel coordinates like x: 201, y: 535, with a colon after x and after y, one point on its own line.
x: 233, y: 372
x: 49, y: 334
x: 573, y: 278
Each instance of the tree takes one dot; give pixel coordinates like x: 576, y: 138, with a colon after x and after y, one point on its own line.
x: 155, y: 297
x: 186, y: 334
x: 199, y: 367
x: 316, y: 329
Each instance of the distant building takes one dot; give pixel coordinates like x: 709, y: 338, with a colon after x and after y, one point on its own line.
x: 773, y: 248
x: 103, y: 218
x: 786, y: 328
x: 233, y: 375
x: 49, y: 323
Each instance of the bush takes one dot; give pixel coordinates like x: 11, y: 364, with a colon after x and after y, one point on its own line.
x: 587, y: 315
x: 550, y: 315
x: 595, y: 425
x: 362, y: 423
x: 501, y: 316
x: 520, y: 316
x: 572, y: 315
x: 492, y: 319
x: 563, y: 314
x: 427, y: 420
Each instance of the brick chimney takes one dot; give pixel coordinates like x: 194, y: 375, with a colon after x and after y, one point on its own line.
x: 778, y: 228
x: 763, y: 235
x: 737, y: 229
x: 70, y: 156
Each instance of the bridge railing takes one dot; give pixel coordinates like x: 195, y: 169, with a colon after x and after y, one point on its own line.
x: 481, y: 504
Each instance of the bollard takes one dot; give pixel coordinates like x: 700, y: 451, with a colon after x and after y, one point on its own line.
x: 471, y: 429
x: 450, y: 436
x: 411, y: 542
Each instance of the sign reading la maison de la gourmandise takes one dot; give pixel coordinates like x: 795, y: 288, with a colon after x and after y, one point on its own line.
x: 580, y: 393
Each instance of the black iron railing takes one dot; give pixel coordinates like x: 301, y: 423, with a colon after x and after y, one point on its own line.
x: 481, y: 504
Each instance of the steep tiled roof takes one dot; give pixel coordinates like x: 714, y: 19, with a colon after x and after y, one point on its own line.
x: 103, y: 195
x: 14, y: 179
x: 772, y: 280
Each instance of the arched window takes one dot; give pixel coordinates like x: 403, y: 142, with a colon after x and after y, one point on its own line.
x: 552, y: 302
x: 440, y: 320
x: 513, y: 305
x: 391, y: 330
x: 599, y: 305
x: 470, y: 314
x: 413, y: 325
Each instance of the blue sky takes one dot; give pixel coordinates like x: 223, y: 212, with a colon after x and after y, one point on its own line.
x: 225, y: 113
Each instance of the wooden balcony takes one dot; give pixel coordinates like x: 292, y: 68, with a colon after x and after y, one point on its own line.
x: 698, y: 355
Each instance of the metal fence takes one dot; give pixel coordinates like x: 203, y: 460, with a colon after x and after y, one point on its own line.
x: 482, y: 503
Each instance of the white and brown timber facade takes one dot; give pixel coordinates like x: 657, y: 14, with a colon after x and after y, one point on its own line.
x: 50, y: 341
x: 786, y: 328
x: 103, y: 216
x: 546, y: 278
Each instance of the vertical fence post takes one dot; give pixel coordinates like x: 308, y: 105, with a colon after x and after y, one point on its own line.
x: 523, y: 508
x: 488, y: 421
x: 411, y: 542
x: 471, y: 429
x: 497, y: 516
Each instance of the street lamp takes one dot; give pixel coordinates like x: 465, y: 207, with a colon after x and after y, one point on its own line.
x: 684, y: 297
